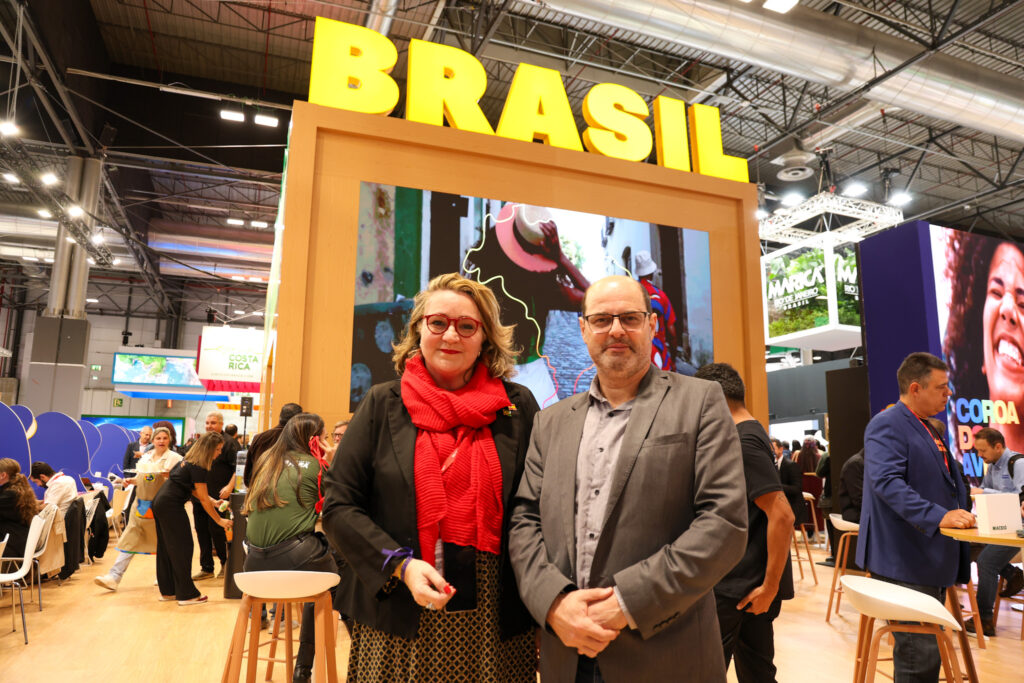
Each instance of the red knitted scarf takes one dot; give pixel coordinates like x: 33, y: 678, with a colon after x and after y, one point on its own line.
x: 457, y: 471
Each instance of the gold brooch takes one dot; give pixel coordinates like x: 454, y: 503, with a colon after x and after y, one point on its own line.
x: 510, y: 410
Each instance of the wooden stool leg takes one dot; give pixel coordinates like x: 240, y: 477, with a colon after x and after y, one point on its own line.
x: 810, y: 560
x: 796, y: 547
x: 995, y: 609
x: 319, y: 629
x: 275, y: 629
x: 858, y: 657
x: 254, y: 641
x: 845, y: 544
x: 836, y: 571
x: 950, y: 663
x: 972, y: 599
x: 326, y: 648
x: 233, y: 665
x: 289, y: 657
x: 872, y: 659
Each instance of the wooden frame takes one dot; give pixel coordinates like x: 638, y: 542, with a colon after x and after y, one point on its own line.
x: 332, y: 151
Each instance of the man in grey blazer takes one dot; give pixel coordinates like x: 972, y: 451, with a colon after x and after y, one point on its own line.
x: 631, y: 508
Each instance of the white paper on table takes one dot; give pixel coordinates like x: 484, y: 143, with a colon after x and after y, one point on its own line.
x: 997, y: 512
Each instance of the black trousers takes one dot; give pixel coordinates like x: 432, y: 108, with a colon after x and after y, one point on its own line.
x: 749, y: 639
x: 587, y: 671
x: 210, y: 536
x: 174, y: 551
x: 305, y: 552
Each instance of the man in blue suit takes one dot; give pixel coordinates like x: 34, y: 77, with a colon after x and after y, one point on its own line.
x: 912, y: 488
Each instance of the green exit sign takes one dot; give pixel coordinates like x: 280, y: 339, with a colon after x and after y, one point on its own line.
x: 95, y: 368
x: 118, y: 402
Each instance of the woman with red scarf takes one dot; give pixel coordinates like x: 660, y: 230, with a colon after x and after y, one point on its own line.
x: 417, y: 501
x: 282, y: 507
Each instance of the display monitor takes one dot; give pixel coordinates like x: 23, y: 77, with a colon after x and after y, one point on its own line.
x: 136, y: 423
x: 538, y: 261
x: 155, y: 369
x: 979, y: 292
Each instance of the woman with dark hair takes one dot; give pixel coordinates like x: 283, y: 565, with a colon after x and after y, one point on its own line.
x: 187, y: 480
x: 18, y: 506
x: 418, y: 501
x: 808, y: 456
x: 807, y: 461
x: 282, y: 505
x: 986, y: 277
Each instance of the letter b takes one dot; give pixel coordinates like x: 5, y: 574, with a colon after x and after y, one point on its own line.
x: 350, y: 68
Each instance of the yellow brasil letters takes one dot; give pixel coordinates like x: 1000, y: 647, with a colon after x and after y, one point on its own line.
x: 615, y: 118
x: 350, y: 68
x: 445, y: 81
x: 537, y: 107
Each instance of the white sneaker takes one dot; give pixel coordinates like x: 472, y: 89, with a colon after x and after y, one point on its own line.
x: 107, y: 581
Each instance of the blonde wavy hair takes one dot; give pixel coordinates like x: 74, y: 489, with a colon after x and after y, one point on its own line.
x: 498, y: 350
x: 204, y: 450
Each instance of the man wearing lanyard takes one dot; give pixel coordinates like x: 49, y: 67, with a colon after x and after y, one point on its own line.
x: 912, y: 488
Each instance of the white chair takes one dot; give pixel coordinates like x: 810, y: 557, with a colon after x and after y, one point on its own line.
x: 876, y: 599
x: 849, y: 531
x: 809, y: 497
x: 260, y: 588
x: 15, y: 577
x: 47, y: 514
x: 115, y: 514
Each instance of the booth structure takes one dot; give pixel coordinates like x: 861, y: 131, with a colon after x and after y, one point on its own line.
x: 333, y: 152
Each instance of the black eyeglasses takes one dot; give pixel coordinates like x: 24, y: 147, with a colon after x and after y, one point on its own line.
x: 631, y: 321
x: 438, y: 323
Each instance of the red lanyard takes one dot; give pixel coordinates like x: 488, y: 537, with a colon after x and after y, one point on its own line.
x: 317, y: 451
x: 939, y: 443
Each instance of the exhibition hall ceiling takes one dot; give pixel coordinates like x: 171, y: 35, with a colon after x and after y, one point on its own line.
x: 922, y: 96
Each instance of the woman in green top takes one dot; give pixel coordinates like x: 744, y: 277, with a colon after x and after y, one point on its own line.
x: 282, y: 506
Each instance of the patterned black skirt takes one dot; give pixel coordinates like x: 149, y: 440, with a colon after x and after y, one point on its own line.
x: 451, y: 646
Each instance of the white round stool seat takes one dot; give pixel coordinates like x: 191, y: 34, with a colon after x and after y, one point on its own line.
x: 841, y: 524
x: 285, y: 585
x: 882, y: 600
x: 809, y: 496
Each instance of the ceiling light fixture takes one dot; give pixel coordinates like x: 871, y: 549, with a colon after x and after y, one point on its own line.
x: 92, y: 301
x: 8, y: 128
x: 70, y: 239
x: 235, y: 221
x: 239, y: 278
x: 761, y: 214
x: 30, y: 258
x: 98, y: 238
x: 44, y: 213
x: 75, y: 211
x: 11, y: 178
x: 92, y: 261
x: 255, y: 279
x: 258, y: 224
x: 48, y: 259
x: 855, y: 189
x: 792, y: 199
x: 265, y: 120
x: 780, y: 6
x: 237, y: 312
x: 48, y: 178
x: 116, y: 262
x: 232, y: 115
x: 900, y: 199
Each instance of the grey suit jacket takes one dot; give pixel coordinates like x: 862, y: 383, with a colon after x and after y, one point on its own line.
x: 676, y: 523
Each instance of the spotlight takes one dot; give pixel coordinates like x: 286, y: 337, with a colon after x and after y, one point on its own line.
x: 70, y: 239
x: 780, y: 6
x: 8, y: 128
x: 240, y: 312
x: 258, y: 224
x: 255, y: 279
x: 116, y: 262
x: 232, y: 115
x: 91, y: 261
x: 792, y: 199
x: 92, y: 301
x: 48, y: 259
x: 11, y: 178
x: 761, y: 214
x: 235, y: 221
x: 30, y: 258
x: 98, y: 238
x: 44, y: 213
x: 900, y: 199
x: 75, y: 211
x: 264, y: 120
x: 239, y: 278
x: 855, y: 189
x: 48, y: 179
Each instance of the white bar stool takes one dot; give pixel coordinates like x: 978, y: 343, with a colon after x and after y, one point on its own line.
x: 876, y: 599
x: 849, y: 531
x: 261, y: 588
x: 809, y: 497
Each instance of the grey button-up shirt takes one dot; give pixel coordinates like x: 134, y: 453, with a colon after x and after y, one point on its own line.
x: 603, y: 430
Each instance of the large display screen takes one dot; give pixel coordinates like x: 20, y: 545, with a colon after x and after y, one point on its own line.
x: 538, y: 261
x: 136, y: 423
x: 167, y: 371
x: 979, y: 289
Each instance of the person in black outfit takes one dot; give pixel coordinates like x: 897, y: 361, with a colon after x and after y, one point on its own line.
x: 264, y: 440
x: 141, y: 446
x: 18, y: 505
x: 750, y: 596
x: 220, y: 484
x: 851, y: 487
x: 792, y: 479
x: 188, y: 479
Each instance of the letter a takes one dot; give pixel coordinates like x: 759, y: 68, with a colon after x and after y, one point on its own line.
x: 350, y: 68
x: 537, y: 107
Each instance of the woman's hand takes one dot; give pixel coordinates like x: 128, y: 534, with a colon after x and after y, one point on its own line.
x: 427, y: 586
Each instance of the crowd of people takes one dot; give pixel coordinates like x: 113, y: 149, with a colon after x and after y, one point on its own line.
x: 625, y: 520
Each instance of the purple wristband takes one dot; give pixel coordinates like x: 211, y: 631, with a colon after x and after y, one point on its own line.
x: 401, y: 571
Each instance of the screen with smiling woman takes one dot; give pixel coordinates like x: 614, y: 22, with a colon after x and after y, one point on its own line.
x: 538, y: 261
x: 979, y: 287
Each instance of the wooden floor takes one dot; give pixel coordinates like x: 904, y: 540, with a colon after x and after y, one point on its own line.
x: 86, y: 633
